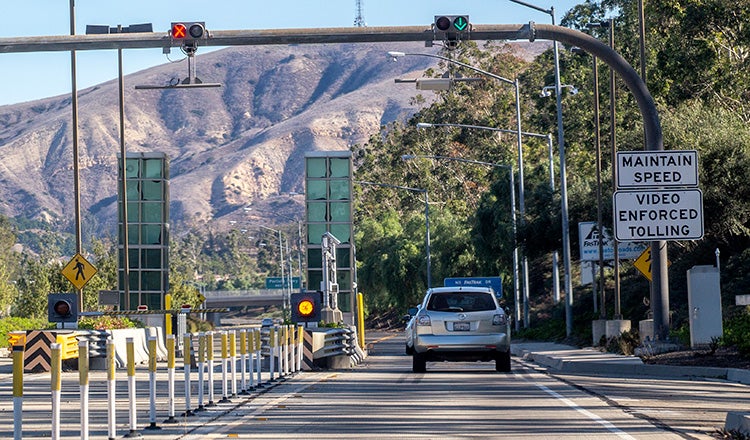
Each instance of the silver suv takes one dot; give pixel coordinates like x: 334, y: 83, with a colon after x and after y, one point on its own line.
x: 458, y: 324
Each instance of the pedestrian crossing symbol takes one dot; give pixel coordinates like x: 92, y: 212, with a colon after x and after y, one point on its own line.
x: 79, y: 271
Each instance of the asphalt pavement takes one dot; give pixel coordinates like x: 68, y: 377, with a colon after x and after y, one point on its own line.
x: 555, y: 358
x: 568, y: 359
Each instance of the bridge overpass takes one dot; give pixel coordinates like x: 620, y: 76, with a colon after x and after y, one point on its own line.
x: 243, y: 298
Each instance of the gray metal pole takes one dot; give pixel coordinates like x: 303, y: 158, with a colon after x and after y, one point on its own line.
x: 613, y: 142
x: 522, y: 204
x: 555, y: 254
x: 642, y: 32
x: 563, y: 191
x: 123, y: 182
x: 516, y: 281
x: 299, y: 253
x: 76, y: 166
x: 427, y: 238
x: 283, y: 281
x: 599, y: 224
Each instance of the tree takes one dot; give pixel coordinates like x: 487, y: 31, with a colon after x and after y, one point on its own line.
x: 8, y: 261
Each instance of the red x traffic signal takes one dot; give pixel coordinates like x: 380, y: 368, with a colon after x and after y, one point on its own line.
x: 188, y: 31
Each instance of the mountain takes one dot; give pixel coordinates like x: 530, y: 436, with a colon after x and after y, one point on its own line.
x: 240, y: 144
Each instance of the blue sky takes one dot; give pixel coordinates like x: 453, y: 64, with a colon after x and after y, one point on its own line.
x: 30, y: 76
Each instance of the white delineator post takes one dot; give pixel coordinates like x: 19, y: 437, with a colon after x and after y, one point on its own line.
x: 133, y: 418
x: 17, y: 391
x: 83, y: 382
x: 170, y: 378
x: 201, y: 367
x: 111, y: 391
x: 56, y: 373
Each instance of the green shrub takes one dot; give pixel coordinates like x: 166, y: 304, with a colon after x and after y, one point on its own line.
x: 16, y: 324
x: 107, y: 323
x: 682, y: 335
x: 736, y: 330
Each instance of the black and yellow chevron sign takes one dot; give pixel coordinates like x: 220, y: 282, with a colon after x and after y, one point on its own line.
x: 37, y: 355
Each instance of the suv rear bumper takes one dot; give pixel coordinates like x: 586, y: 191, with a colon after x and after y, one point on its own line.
x: 474, y: 346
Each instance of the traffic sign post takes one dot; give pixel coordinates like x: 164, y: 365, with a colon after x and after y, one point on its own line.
x: 658, y: 215
x: 643, y: 169
x: 79, y: 271
x: 282, y: 283
x: 306, y: 307
x: 589, y: 244
x: 494, y: 282
x: 643, y: 263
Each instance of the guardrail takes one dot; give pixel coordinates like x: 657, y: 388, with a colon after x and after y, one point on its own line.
x: 17, y: 338
x: 97, y: 342
x: 244, y: 352
x: 337, y: 342
x: 68, y: 345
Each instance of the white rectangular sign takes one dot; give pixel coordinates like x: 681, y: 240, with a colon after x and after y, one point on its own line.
x: 651, y: 215
x: 588, y: 239
x: 644, y: 169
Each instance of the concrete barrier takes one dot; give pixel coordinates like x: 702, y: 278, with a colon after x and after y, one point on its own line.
x: 738, y: 421
x: 139, y: 345
x: 738, y: 375
x: 161, y: 347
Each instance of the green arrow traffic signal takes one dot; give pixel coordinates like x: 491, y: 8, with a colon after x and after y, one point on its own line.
x: 460, y: 23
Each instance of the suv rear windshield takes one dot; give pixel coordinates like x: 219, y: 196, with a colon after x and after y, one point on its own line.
x: 460, y: 302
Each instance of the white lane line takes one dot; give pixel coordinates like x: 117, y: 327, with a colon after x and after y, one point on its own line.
x: 210, y: 430
x: 608, y: 425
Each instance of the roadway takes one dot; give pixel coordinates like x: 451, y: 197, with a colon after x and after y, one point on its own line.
x: 382, y: 398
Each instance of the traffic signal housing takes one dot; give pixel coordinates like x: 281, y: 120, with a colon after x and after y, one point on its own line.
x: 306, y: 306
x: 62, y: 307
x: 451, y: 28
x: 188, y: 31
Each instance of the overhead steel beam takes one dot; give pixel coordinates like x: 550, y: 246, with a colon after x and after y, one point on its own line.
x: 531, y: 32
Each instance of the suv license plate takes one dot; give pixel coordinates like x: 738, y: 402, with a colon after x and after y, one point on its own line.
x: 461, y: 326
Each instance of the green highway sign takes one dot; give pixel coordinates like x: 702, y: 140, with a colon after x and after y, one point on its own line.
x: 279, y: 283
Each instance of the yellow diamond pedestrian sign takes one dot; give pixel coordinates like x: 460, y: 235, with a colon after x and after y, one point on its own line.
x: 78, y: 271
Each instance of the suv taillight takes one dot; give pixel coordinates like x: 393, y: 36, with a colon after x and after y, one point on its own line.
x: 499, y: 320
x: 424, y: 320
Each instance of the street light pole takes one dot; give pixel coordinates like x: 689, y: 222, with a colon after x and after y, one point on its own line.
x: 598, y: 147
x: 299, y: 238
x: 516, y: 288
x: 123, y: 153
x: 281, y: 264
x: 426, y: 220
x: 563, y: 175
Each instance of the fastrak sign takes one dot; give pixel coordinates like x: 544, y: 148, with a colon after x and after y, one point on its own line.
x: 588, y: 239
